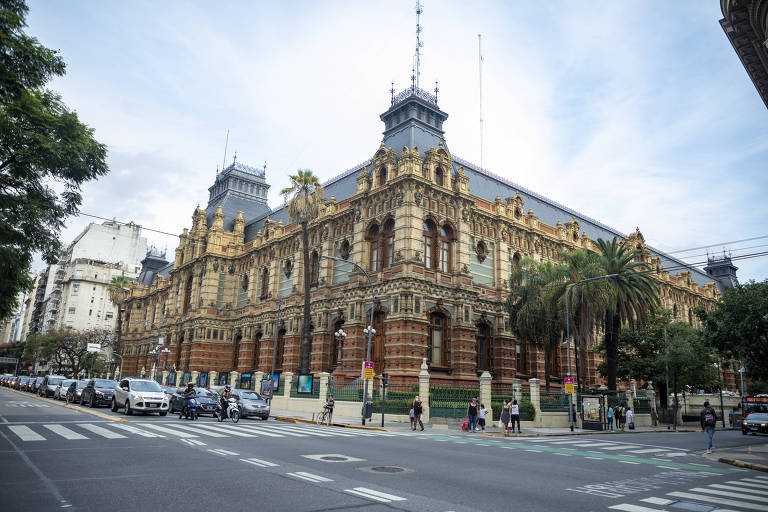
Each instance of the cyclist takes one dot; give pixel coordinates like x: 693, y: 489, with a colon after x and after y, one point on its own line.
x: 225, y: 396
x: 329, y: 409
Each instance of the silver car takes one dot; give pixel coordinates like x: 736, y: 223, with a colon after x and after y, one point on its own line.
x: 61, y: 389
x: 48, y: 386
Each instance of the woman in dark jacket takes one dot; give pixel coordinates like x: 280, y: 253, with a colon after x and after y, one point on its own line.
x: 505, y: 417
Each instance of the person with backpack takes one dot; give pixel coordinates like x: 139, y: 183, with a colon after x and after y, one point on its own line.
x: 708, y: 421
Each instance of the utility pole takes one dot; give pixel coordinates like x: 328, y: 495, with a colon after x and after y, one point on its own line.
x: 274, y: 351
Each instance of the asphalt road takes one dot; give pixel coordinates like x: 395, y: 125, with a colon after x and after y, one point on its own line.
x: 52, y: 457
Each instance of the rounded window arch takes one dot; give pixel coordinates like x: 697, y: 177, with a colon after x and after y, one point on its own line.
x: 444, y: 254
x: 429, y: 243
x: 439, y: 176
x: 374, y: 245
x: 382, y: 175
x: 314, y: 269
x: 439, y: 339
x: 265, y: 283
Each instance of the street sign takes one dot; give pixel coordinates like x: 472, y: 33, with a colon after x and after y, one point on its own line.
x: 93, y: 347
x: 9, y: 360
x: 569, y: 388
x: 368, y: 370
x: 569, y: 380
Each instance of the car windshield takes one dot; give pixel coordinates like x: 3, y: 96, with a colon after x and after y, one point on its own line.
x: 81, y: 384
x: 66, y: 383
x: 249, y: 395
x: 758, y: 416
x: 105, y: 384
x: 205, y: 392
x: 55, y: 381
x: 142, y: 385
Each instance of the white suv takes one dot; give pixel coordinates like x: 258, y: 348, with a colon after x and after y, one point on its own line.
x: 140, y: 395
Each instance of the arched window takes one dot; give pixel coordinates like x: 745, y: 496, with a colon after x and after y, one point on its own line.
x: 187, y: 295
x: 236, y: 350
x: 314, y: 269
x: 382, y: 175
x: 439, y: 177
x: 388, y: 243
x: 484, y: 347
x: 444, y: 253
x: 280, y: 349
x: 264, y: 283
x: 429, y: 243
x: 375, y: 247
x: 439, y: 344
x: 256, y: 349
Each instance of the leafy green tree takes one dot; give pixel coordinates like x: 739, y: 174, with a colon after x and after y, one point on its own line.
x: 303, y: 198
x: 738, y: 326
x: 634, y: 293
x: 42, y: 145
x: 533, y: 310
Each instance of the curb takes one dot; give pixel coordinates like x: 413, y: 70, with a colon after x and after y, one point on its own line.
x: 745, y: 465
x: 81, y: 409
x: 291, y: 419
x: 591, y: 432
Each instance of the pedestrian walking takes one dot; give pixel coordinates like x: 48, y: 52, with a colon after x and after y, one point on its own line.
x: 472, y: 415
x: 411, y: 415
x: 514, y: 416
x: 481, y: 417
x: 708, y: 422
x: 620, y: 418
x: 417, y: 413
x: 504, y: 421
x: 609, y: 416
x: 630, y: 419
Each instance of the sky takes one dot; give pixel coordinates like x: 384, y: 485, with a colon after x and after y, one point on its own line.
x: 637, y: 114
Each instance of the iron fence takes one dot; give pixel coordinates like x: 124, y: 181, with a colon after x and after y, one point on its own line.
x: 347, y: 392
x: 451, y: 402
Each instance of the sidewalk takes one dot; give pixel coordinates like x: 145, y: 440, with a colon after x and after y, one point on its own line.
x: 753, y: 456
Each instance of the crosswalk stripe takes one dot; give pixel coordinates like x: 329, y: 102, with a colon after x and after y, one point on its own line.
x: 756, y: 480
x: 100, y: 431
x: 746, y: 484
x: 762, y: 477
x: 134, y: 430
x: 721, y: 501
x: 621, y: 447
x: 309, y: 477
x: 727, y: 494
x: 567, y: 442
x: 657, y: 501
x: 64, y: 432
x: 200, y: 431
x: 259, y: 462
x: 258, y: 431
x: 170, y: 431
x: 591, y: 445
x: 26, y: 433
x: 285, y: 432
x: 739, y: 489
x: 628, y: 507
x: 327, y: 431
x: 217, y: 431
x: 370, y: 493
x: 648, y: 450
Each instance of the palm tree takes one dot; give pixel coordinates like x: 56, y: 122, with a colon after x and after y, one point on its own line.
x: 534, y: 315
x: 116, y: 287
x: 634, y: 294
x: 303, y: 199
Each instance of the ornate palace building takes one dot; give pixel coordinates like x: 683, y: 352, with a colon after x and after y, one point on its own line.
x: 438, y: 235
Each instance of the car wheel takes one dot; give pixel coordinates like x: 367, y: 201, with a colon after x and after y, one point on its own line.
x: 114, y: 405
x: 128, y: 410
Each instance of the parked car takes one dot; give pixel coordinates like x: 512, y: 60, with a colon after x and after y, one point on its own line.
x: 251, y: 403
x: 35, y: 384
x: 12, y: 382
x: 61, y: 389
x: 98, y: 392
x: 756, y: 422
x: 49, y: 385
x: 207, y: 401
x: 21, y: 384
x: 140, y: 395
x: 75, y: 390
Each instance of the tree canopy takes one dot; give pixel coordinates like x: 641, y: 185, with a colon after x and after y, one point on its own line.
x: 43, y: 148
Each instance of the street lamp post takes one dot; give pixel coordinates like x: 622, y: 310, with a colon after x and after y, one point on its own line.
x: 568, y: 335
x: 340, y: 336
x: 159, y: 349
x: 741, y: 377
x: 722, y: 411
x: 369, y: 330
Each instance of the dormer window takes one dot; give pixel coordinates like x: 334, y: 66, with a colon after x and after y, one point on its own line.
x: 439, y: 177
x: 382, y: 175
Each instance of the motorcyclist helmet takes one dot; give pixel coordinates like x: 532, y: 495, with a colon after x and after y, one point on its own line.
x: 228, y: 387
x: 190, y: 384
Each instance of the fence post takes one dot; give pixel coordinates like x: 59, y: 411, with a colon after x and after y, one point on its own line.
x: 485, y: 394
x: 212, y: 381
x: 536, y: 400
x: 517, y: 389
x: 287, y: 381
x: 233, y: 377
x: 165, y: 377
x: 424, y: 389
x: 323, y: 376
x: 193, y: 377
x: 257, y: 376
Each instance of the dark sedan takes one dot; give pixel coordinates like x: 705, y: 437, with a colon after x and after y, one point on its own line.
x: 207, y: 401
x: 75, y: 390
x: 35, y: 384
x: 98, y: 392
x: 756, y: 422
x: 21, y: 384
x: 251, y: 403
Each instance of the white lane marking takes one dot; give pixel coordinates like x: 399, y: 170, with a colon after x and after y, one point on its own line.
x: 198, y: 430
x: 591, y: 445
x: 728, y: 494
x: 563, y: 454
x: 284, y: 432
x: 221, y: 451
x: 168, y: 430
x: 674, y: 454
x: 374, y: 495
x: 628, y: 462
x: 567, y: 442
x: 26, y: 433
x: 720, y: 501
x: 100, y: 431
x: 260, y: 463
x: 594, y: 458
x: 535, y: 451
x: 259, y: 430
x: 762, y: 477
x: 739, y: 489
x: 309, y: 477
x: 666, y: 467
x: 621, y: 447
x: 135, y: 430
x: 628, y: 507
x: 64, y: 432
x: 192, y: 442
x: 326, y: 431
x: 657, y: 501
x: 738, y: 482
x: 223, y: 430
x: 648, y: 450
x: 755, y: 480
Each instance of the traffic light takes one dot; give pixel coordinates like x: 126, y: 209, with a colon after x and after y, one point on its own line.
x: 385, y: 378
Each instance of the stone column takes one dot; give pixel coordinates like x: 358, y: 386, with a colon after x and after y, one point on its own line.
x: 117, y: 374
x: 233, y: 377
x: 323, y: 376
x: 212, y: 378
x: 517, y: 389
x: 485, y: 395
x: 193, y: 377
x: 143, y: 372
x: 165, y: 377
x: 424, y: 388
x: 633, y: 387
x: 257, y: 376
x: 287, y: 378
x: 536, y: 399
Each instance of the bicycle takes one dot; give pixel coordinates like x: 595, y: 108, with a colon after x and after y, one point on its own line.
x: 323, y: 417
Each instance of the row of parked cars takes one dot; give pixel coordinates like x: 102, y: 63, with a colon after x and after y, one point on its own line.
x: 134, y: 395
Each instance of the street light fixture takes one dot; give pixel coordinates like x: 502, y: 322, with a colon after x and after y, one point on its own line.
x: 340, y: 336
x: 722, y: 411
x: 157, y: 350
x: 370, y: 331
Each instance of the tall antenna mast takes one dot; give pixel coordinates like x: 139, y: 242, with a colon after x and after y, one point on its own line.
x: 419, y: 44
x: 224, y: 162
x: 480, y: 55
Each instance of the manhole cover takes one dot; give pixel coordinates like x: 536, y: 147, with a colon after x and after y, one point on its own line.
x: 388, y: 469
x: 332, y: 458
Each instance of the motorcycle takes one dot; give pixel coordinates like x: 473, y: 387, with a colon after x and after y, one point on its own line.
x: 233, y: 411
x: 190, y: 410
